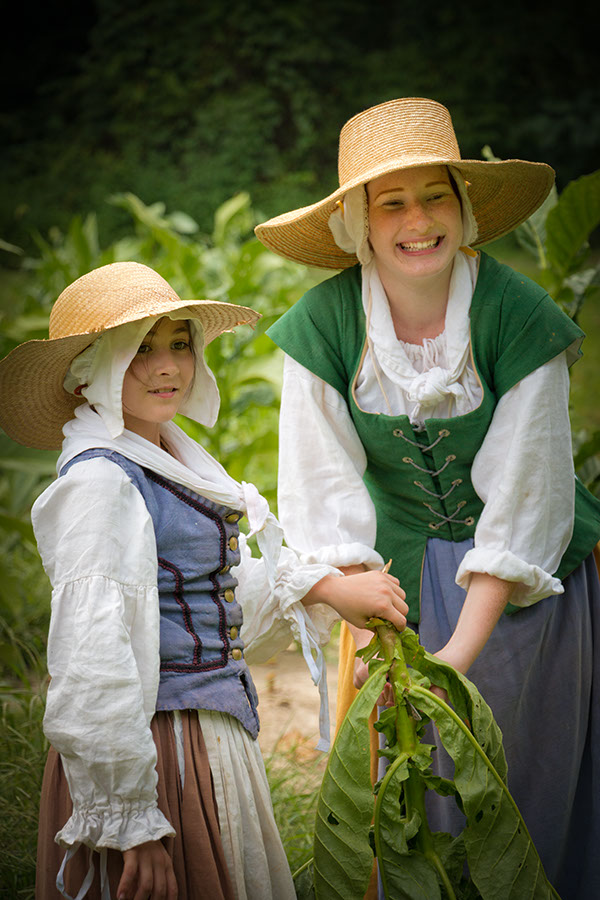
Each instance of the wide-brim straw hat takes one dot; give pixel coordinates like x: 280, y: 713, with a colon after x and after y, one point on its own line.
x: 34, y: 404
x: 405, y: 134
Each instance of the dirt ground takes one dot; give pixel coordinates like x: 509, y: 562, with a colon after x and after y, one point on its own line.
x: 289, y: 701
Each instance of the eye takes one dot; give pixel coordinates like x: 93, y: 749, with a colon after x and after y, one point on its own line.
x: 181, y: 345
x: 144, y: 348
x: 440, y: 195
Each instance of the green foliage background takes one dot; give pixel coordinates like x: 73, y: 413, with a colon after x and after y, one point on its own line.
x: 191, y: 102
x: 163, y: 131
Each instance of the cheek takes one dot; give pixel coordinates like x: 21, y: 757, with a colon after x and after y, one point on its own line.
x: 128, y: 392
x: 375, y: 228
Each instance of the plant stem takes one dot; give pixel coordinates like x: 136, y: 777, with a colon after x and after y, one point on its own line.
x: 406, y: 736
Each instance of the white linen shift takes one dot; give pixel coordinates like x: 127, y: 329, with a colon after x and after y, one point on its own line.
x: 97, y: 543
x: 523, y: 471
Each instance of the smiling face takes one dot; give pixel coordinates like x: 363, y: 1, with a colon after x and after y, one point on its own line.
x: 157, y: 380
x: 415, y: 223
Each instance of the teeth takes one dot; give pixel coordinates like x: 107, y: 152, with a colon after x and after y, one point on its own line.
x: 419, y: 245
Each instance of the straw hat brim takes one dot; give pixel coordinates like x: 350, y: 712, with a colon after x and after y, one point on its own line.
x: 503, y: 194
x: 35, y: 406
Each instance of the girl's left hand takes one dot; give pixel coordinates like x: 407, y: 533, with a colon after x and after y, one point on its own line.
x: 360, y: 597
x: 147, y: 874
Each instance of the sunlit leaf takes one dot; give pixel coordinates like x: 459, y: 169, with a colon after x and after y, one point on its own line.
x: 570, y: 223
x: 342, y: 856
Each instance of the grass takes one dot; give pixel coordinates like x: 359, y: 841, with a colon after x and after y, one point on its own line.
x: 23, y: 750
x: 295, y: 772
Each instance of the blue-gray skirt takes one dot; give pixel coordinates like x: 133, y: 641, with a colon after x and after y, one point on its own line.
x: 541, y: 676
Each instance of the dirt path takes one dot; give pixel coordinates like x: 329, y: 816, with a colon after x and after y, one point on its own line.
x: 289, y: 701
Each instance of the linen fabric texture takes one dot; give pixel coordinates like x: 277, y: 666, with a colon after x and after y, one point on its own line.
x: 98, y: 544
x: 419, y: 478
x: 538, y: 662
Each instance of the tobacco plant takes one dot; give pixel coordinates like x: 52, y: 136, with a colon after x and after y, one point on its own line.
x: 353, y: 825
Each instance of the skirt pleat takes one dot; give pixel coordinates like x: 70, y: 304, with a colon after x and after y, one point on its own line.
x: 196, y: 851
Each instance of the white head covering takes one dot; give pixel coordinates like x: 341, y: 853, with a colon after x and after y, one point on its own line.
x: 99, y: 371
x: 349, y: 224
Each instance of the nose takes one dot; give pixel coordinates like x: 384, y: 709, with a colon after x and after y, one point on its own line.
x: 419, y: 217
x: 164, y: 362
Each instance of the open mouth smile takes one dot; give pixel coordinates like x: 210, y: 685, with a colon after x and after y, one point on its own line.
x: 164, y: 392
x: 420, y: 246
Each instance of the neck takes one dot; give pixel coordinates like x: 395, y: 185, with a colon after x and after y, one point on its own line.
x: 418, y: 307
x: 150, y: 431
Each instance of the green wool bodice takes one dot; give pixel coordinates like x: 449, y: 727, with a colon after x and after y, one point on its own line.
x: 420, y: 480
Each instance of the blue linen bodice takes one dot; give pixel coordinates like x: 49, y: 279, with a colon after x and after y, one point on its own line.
x: 202, y: 662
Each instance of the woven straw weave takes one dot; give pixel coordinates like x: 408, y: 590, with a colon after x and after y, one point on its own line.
x: 403, y: 134
x: 34, y: 405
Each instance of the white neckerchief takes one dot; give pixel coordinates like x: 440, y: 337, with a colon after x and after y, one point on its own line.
x: 194, y: 468
x: 424, y: 389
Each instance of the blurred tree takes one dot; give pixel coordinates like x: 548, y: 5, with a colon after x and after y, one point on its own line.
x: 192, y: 102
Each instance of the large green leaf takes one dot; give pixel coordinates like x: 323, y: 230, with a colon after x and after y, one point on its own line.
x: 503, y: 862
x: 343, y: 859
x: 531, y: 234
x: 570, y: 223
x: 468, y: 703
x: 406, y: 874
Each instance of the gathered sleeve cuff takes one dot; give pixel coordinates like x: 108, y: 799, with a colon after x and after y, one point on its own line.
x: 533, y: 583
x: 97, y: 544
x: 272, y: 619
x: 524, y: 474
x: 117, y: 827
x: 274, y: 616
x: 324, y: 506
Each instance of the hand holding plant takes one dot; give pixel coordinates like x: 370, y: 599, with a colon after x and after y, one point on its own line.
x: 413, y: 861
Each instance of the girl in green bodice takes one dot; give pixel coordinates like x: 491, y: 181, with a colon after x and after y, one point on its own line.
x: 425, y: 419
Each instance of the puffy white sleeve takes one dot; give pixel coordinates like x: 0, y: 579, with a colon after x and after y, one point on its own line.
x: 324, y: 506
x: 524, y: 474
x: 273, y: 618
x: 96, y: 540
x: 274, y: 615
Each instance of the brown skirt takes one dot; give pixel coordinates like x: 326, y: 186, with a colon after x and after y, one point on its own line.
x: 196, y: 850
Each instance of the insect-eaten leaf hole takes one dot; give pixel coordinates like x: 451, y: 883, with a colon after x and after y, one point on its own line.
x: 332, y: 819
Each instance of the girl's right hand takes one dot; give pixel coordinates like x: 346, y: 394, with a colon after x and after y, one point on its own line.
x: 361, y: 596
x: 147, y: 874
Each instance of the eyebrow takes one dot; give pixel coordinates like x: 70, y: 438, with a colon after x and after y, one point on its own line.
x: 179, y: 330
x: 427, y: 185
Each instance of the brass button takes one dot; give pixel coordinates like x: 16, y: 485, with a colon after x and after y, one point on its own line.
x: 233, y: 543
x: 236, y: 654
x: 224, y: 570
x: 233, y: 633
x: 232, y: 517
x: 229, y: 595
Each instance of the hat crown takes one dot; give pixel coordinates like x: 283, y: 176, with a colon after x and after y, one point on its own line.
x: 109, y: 296
x: 410, y: 132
